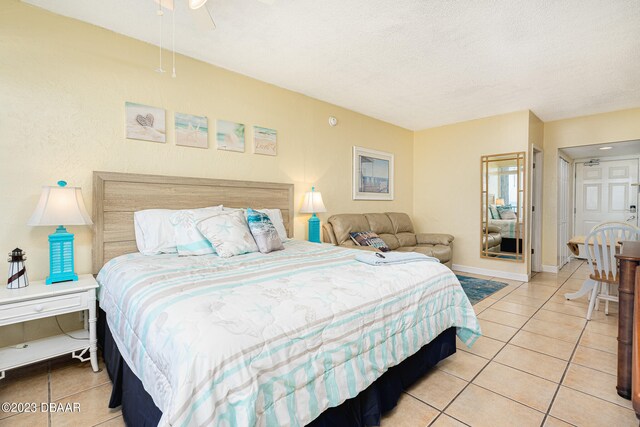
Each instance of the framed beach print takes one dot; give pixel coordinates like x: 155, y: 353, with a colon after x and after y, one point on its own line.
x: 230, y: 136
x: 265, y: 141
x: 372, y: 174
x: 191, y: 131
x: 145, y: 123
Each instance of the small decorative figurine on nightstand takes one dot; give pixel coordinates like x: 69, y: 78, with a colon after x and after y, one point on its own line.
x: 17, y: 270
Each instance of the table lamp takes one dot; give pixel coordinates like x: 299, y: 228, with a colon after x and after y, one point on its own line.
x: 313, y: 204
x: 499, y: 202
x: 60, y: 205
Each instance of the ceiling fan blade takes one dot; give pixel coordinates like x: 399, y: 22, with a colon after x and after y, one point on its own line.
x: 203, y: 18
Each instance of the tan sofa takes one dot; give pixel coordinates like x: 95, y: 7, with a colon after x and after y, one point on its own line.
x: 396, y: 229
x: 493, y: 239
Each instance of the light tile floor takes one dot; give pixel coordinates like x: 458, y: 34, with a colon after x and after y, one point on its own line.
x: 539, y: 363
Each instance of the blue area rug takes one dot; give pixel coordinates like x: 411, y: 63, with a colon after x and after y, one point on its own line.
x: 479, y: 289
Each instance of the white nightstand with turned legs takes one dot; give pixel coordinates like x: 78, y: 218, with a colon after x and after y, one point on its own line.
x: 38, y: 301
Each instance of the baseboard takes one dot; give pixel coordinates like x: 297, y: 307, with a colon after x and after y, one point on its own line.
x: 492, y: 273
x: 550, y: 268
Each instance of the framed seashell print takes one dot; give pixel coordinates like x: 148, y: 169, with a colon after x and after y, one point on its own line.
x: 145, y: 123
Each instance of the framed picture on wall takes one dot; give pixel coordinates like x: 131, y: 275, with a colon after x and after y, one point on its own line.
x: 372, y: 174
x: 191, y: 131
x: 144, y: 122
x: 230, y: 136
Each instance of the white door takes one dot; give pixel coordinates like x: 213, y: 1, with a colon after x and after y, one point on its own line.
x: 604, y: 192
x: 563, y: 211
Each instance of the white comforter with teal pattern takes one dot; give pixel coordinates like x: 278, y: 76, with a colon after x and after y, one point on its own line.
x: 272, y: 339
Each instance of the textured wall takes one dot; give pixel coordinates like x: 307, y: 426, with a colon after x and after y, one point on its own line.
x: 600, y: 128
x: 63, y: 88
x: 447, y: 180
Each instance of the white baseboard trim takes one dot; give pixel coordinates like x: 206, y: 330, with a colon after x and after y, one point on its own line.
x: 492, y: 273
x: 550, y: 268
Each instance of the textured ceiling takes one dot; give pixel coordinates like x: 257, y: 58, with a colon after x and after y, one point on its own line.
x: 414, y: 63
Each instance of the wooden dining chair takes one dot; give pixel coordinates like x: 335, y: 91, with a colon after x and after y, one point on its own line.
x: 600, y: 247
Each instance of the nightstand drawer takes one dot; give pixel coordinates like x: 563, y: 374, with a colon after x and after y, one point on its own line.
x: 44, y: 307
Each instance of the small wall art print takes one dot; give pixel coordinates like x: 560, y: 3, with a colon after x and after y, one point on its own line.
x: 372, y: 174
x: 230, y: 136
x: 191, y: 131
x: 145, y: 123
x: 265, y: 141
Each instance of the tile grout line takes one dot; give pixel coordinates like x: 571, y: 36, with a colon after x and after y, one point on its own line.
x: 490, y: 360
x: 564, y: 374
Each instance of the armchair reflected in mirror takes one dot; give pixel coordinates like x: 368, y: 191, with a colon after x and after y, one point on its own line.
x: 502, y: 206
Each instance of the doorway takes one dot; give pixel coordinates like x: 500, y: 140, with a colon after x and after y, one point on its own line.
x: 605, y: 192
x: 536, y: 211
x: 604, y: 186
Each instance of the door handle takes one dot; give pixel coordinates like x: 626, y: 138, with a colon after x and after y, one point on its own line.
x: 631, y: 218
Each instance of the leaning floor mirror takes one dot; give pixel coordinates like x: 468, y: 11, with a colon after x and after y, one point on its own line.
x: 502, y: 206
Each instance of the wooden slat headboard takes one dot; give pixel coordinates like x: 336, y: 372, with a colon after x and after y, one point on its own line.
x: 116, y: 196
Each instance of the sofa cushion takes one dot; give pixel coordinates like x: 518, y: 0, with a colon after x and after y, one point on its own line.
x: 401, y: 222
x: 407, y: 239
x: 379, y: 223
x: 391, y: 240
x: 442, y: 252
x: 344, y: 224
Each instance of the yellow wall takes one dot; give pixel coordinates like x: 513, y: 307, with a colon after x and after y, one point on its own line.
x: 600, y: 128
x: 63, y: 86
x: 446, y: 174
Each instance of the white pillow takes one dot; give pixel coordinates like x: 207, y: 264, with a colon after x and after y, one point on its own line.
x: 228, y: 233
x: 508, y: 215
x: 275, y: 215
x: 189, y: 240
x: 154, y: 231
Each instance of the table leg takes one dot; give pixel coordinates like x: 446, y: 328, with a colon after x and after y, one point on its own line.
x: 587, y: 287
x: 93, y: 339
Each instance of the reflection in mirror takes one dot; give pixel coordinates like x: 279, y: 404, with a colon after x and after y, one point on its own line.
x: 502, y: 206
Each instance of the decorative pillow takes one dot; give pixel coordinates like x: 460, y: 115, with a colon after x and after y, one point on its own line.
x: 189, y: 240
x: 494, y: 212
x: 154, y: 231
x: 275, y: 215
x: 507, y: 214
x: 263, y: 231
x: 229, y: 234
x: 369, y: 238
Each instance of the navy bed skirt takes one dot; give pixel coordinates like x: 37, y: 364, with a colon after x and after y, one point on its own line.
x: 363, y: 410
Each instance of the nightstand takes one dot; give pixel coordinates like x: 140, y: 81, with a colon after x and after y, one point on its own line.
x: 38, y: 301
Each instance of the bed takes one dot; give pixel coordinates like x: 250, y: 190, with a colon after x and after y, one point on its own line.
x: 509, y: 228
x: 306, y: 335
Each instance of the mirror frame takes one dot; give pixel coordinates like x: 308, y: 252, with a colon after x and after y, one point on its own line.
x: 520, y: 158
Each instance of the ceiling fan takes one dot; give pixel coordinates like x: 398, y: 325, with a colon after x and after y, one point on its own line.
x: 202, y: 15
x: 201, y: 12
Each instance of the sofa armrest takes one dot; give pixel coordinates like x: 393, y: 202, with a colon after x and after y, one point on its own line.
x: 434, y: 239
x: 493, y: 229
x: 328, y: 236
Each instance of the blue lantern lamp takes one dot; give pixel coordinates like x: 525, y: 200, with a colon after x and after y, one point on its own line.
x: 60, y: 205
x: 313, y: 204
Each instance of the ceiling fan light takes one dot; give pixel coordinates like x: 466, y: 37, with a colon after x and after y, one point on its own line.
x: 196, y: 4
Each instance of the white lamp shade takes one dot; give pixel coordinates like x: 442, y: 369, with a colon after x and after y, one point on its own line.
x: 196, y: 4
x: 313, y: 203
x: 60, y: 206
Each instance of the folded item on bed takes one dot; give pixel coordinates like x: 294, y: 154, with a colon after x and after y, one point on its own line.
x: 390, y: 258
